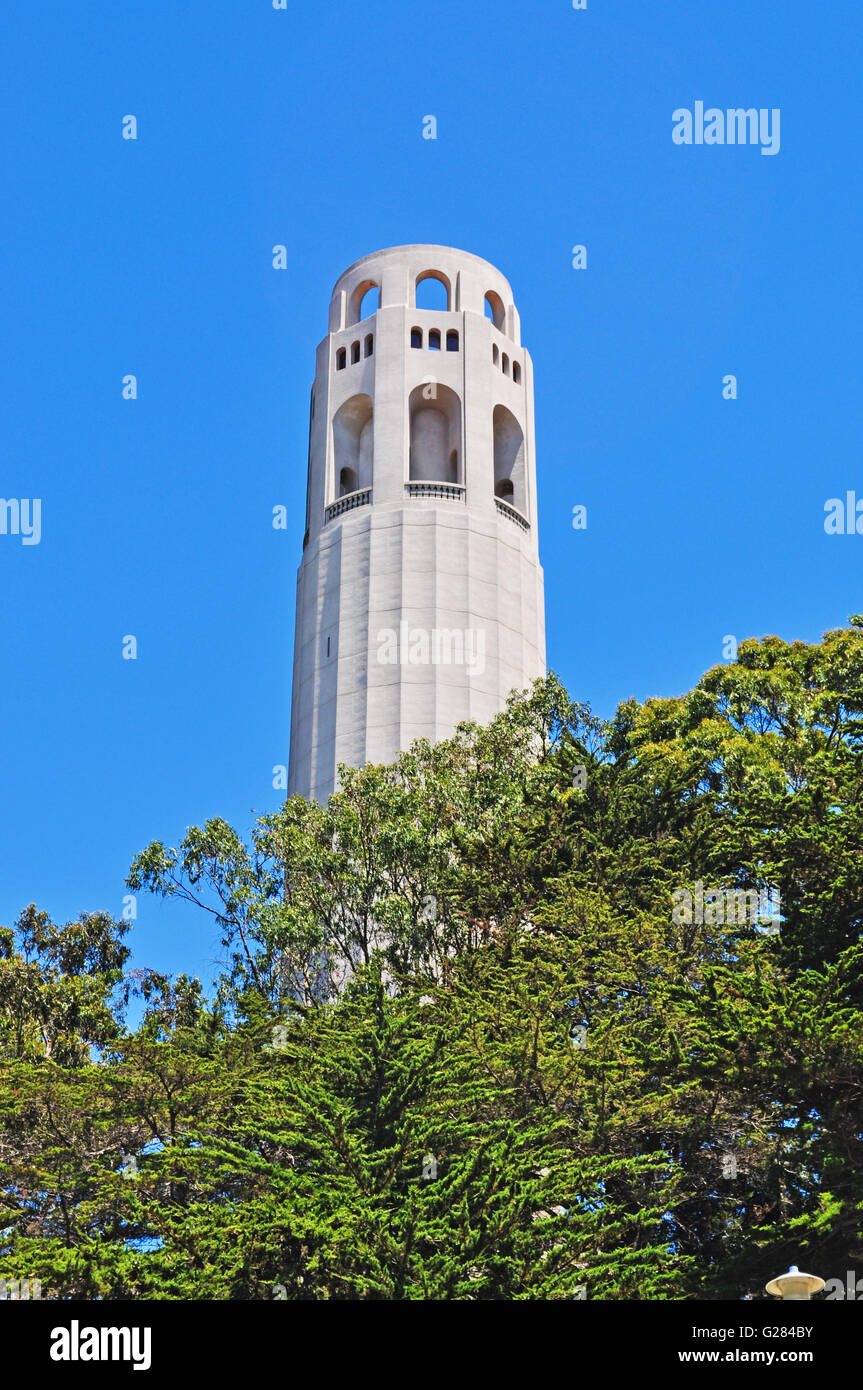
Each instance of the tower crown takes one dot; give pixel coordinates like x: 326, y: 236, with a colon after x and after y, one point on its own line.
x: 469, y: 281
x: 411, y: 403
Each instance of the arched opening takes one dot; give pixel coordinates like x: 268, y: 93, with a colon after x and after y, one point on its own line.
x: 505, y: 365
x: 416, y: 337
x: 509, y: 481
x: 341, y: 358
x: 494, y: 309
x: 432, y: 290
x: 452, y: 341
x: 495, y: 354
x: 435, y: 434
x: 370, y: 344
x: 434, y: 339
x: 365, y: 300
x: 355, y: 352
x: 353, y: 438
x: 516, y: 372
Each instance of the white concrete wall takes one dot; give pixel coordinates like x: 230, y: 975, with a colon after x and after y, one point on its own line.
x: 454, y: 574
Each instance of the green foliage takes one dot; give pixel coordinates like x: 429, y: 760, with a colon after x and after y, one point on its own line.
x: 56, y: 985
x: 465, y: 1049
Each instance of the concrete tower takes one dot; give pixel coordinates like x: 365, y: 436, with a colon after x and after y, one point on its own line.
x: 420, y: 592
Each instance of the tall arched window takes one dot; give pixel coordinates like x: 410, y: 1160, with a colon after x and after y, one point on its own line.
x: 494, y: 309
x: 416, y: 337
x: 434, y: 339
x: 353, y: 440
x: 432, y: 290
x: 355, y: 351
x: 341, y: 358
x: 495, y: 354
x: 509, y: 479
x: 370, y: 344
x: 452, y: 340
x: 435, y: 434
x: 505, y: 365
x: 516, y: 372
x: 365, y: 300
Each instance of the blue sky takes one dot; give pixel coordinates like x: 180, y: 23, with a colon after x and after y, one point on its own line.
x: 304, y: 127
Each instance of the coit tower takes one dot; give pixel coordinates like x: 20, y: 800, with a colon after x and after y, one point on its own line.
x: 420, y: 592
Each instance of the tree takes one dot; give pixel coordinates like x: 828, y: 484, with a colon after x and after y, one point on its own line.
x: 469, y: 1045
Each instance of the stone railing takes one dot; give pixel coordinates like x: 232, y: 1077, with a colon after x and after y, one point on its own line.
x: 453, y: 491
x: 348, y: 502
x: 506, y: 510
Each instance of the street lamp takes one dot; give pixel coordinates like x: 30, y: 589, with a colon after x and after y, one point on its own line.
x: 794, y: 1286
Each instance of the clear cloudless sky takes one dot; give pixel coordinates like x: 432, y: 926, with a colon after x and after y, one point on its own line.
x: 303, y: 126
